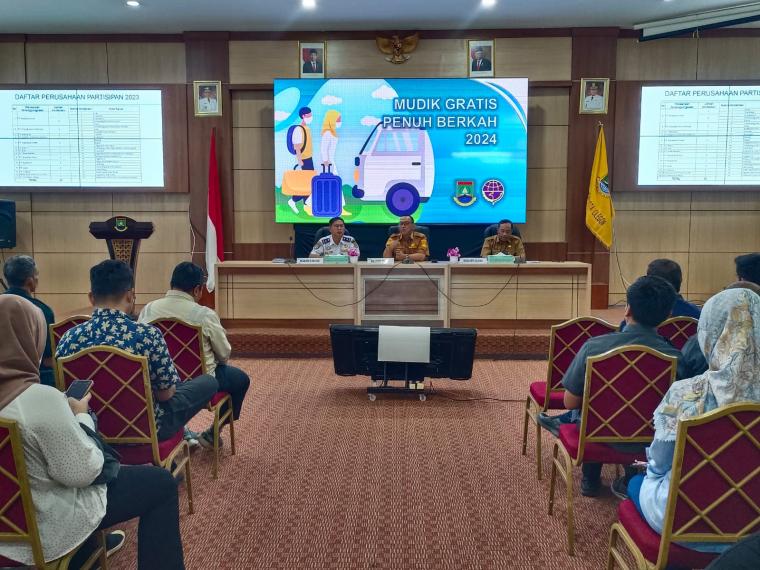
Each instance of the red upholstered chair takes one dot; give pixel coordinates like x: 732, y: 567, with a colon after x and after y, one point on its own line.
x: 56, y: 330
x: 714, y: 493
x: 122, y: 399
x: 566, y: 340
x: 185, y: 342
x: 18, y: 520
x: 622, y: 389
x: 678, y: 330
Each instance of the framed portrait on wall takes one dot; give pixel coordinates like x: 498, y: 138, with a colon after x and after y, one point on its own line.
x: 480, y: 58
x: 593, y: 100
x: 208, y: 98
x: 312, y: 60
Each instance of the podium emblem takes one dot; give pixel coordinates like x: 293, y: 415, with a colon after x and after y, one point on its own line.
x: 120, y: 224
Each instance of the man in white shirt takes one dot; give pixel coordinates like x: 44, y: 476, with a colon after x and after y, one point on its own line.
x: 337, y: 243
x: 594, y: 100
x: 181, y: 302
x: 207, y: 102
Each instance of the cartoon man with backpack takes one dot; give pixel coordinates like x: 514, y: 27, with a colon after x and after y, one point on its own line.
x: 299, y: 140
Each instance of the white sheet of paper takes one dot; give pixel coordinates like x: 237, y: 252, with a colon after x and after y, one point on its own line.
x: 403, y: 344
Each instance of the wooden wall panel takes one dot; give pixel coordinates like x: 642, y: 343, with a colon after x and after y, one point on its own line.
x: 67, y: 304
x: 548, y: 106
x: 547, y: 188
x: 155, y: 270
x: 633, y: 265
x: 66, y: 272
x: 657, y: 201
x: 263, y: 61
x: 253, y: 148
x: 56, y: 232
x: 716, y: 231
x: 254, y: 190
x: 66, y: 63
x: 259, y: 227
x: 547, y: 147
x: 146, y: 62
x: 710, y: 273
x: 72, y: 202
x: 729, y: 58
x: 641, y: 231
x: 150, y: 202
x: 544, y: 226
x: 12, y: 64
x: 361, y: 58
x: 171, y: 234
x: 253, y: 109
x: 744, y: 201
x: 539, y: 59
x: 666, y: 59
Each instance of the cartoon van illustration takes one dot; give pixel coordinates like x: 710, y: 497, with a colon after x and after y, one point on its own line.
x: 396, y: 166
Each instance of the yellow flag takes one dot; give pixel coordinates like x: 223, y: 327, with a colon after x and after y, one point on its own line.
x: 599, y: 210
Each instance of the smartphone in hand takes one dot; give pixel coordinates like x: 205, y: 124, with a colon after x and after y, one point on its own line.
x: 78, y: 389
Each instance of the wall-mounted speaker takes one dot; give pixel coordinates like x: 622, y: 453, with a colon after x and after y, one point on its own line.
x: 7, y: 224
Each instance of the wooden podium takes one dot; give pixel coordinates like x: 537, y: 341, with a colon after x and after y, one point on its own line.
x: 123, y: 236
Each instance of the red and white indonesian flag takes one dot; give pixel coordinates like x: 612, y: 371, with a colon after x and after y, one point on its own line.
x: 214, y: 232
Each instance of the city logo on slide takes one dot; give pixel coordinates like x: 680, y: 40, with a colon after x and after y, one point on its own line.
x: 464, y: 195
x: 493, y: 190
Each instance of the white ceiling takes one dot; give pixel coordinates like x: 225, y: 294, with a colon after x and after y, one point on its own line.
x: 173, y: 16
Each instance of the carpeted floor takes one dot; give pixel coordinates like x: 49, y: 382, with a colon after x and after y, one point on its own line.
x: 325, y: 479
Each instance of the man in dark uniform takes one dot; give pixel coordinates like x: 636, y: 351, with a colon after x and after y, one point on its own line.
x: 407, y: 245
x: 503, y: 242
x: 22, y: 276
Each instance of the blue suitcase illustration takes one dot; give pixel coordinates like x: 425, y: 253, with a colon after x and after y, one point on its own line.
x: 326, y: 194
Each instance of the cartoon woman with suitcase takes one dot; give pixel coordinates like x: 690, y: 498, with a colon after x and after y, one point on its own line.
x: 329, y: 142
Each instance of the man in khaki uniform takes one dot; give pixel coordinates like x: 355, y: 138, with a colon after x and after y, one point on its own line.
x: 504, y: 242
x: 407, y: 245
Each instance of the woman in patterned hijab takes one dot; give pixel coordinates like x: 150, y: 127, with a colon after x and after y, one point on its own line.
x: 729, y: 336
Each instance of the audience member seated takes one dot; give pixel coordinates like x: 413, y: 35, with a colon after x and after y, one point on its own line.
x: 694, y: 360
x: 407, y: 245
x: 743, y: 555
x: 503, y: 242
x: 748, y: 268
x: 649, y: 302
x: 112, y: 295
x: 181, y: 302
x: 670, y: 271
x: 73, y: 494
x: 729, y: 333
x: 22, y: 277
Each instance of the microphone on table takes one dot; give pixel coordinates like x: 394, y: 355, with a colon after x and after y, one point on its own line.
x: 292, y: 255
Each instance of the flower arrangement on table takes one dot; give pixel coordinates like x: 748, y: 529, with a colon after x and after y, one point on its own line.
x: 353, y: 254
x: 453, y: 254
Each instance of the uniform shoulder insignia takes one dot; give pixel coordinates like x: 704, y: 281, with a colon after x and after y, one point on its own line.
x: 347, y: 239
x: 325, y: 240
x: 397, y: 235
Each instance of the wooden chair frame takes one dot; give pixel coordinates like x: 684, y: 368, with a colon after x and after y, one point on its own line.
x: 53, y: 329
x: 166, y: 327
x: 179, y: 457
x: 564, y: 465
x: 680, y: 323
x: 532, y: 407
x: 32, y: 536
x: 669, y: 535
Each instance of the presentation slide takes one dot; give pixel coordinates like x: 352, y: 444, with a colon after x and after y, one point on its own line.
x: 699, y: 136
x: 443, y: 150
x: 81, y: 138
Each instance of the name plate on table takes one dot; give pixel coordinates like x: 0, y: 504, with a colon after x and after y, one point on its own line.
x: 472, y: 260
x: 381, y: 260
x: 501, y: 259
x: 309, y: 260
x: 336, y: 258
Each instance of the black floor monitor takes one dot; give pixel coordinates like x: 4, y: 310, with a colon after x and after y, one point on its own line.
x: 354, y: 348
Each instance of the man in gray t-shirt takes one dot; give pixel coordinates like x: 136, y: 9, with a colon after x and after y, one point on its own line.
x: 649, y: 302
